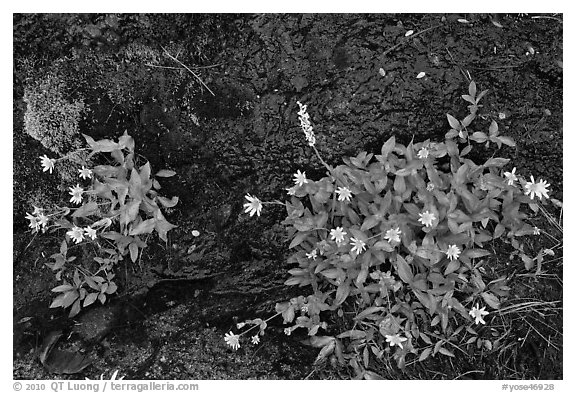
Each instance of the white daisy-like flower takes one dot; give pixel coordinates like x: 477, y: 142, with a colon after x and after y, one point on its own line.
x: 195, y: 233
x: 34, y: 223
x: 337, y: 234
x: 42, y: 220
x: 76, y: 234
x: 358, y: 246
x: 539, y: 189
x: 453, y: 252
x: 393, y: 235
x: 426, y: 218
x: 430, y: 187
x: 232, y: 340
x: 304, y: 308
x: 76, y: 193
x: 311, y: 254
x: 90, y: 232
x: 395, y: 339
x: 85, y: 173
x: 287, y: 331
x: 47, y: 163
x: 536, y: 231
x: 291, y: 191
x: 254, y: 205
x: 300, y: 178
x: 344, y: 194
x: 423, y: 153
x: 37, y: 210
x: 255, y: 339
x: 478, y: 313
x: 511, y: 177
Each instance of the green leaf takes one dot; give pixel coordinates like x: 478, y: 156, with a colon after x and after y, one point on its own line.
x: 126, y: 141
x: 424, y: 355
x: 368, y: 311
x: 507, y: 141
x: 90, y: 298
x: 146, y: 226
x: 129, y: 212
x: 454, y: 123
x: 472, y: 88
x: 294, y: 281
x: 468, y: 98
x: 528, y: 262
x: 479, y: 137
x: 404, y: 270
x: 91, y: 208
x: 387, y: 149
x: 468, y: 119
x: 63, y: 288
x: 493, y: 130
x: 342, y: 292
x: 162, y: 227
x: 354, y: 334
x: 491, y: 300
x: 299, y: 238
x: 133, y: 251
x: 168, y: 202
x: 91, y: 142
x: 453, y: 265
x: 370, y: 222
x: 399, y: 185
x: 145, y: 172
x: 105, y: 146
x: 476, y: 253
x: 496, y: 162
x: 446, y: 352
x: 383, y: 245
x: 111, y: 288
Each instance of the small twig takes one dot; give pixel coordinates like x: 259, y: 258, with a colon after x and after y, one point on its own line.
x: 547, y: 17
x: 189, y: 70
x: 408, y: 38
x: 467, y: 77
x: 110, y: 114
x: 180, y: 68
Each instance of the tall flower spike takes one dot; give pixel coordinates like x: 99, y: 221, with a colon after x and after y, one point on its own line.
x: 304, y: 118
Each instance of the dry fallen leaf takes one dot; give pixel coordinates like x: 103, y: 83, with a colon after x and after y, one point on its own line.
x: 421, y: 75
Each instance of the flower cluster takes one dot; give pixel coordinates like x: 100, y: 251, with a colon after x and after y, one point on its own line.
x: 77, y: 233
x: 38, y: 220
x: 94, y: 217
x: 304, y: 118
x: 400, y: 229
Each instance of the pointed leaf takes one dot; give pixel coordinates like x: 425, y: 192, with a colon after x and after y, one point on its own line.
x: 404, y: 270
x: 165, y: 173
x: 454, y: 123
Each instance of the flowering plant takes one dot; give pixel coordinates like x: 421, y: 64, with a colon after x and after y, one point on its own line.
x: 399, y: 243
x: 118, y: 207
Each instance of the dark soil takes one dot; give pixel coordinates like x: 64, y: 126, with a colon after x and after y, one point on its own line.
x: 176, y: 304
